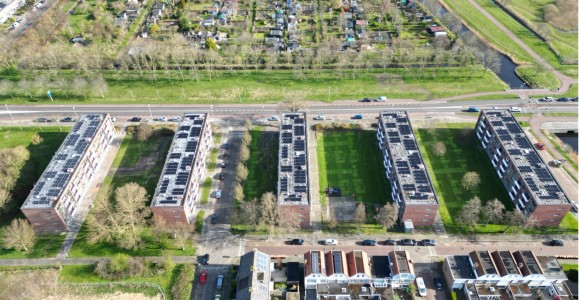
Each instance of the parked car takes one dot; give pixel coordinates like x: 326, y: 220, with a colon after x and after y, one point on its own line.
x: 218, y: 297
x: 227, y: 146
x: 68, y: 119
x: 473, y: 109
x: 224, y: 164
x: 273, y: 118
x: 390, y: 242
x: 203, y: 276
x: 205, y: 259
x: 221, y: 176
x: 218, y: 194
x: 559, y: 243
x: 515, y: 109
x: 42, y: 120
x: 213, y: 219
x: 220, y: 282
x: 421, y: 288
x: 357, y: 116
x: 297, y: 242
x: 319, y: 118
x: 330, y: 242
x: 428, y: 242
x: 369, y: 242
x: 381, y: 99
x: 437, y: 283
x: 176, y: 119
x: 366, y: 100
x: 135, y: 119
x: 161, y: 119
x: 546, y: 99
x: 540, y: 146
x: 408, y: 242
x: 575, y: 99
x: 563, y: 99
x: 574, y: 208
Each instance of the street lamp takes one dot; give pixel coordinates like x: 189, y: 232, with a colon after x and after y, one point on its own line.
x: 76, y: 115
x: 150, y: 113
x: 9, y: 112
x: 456, y: 93
x: 211, y: 107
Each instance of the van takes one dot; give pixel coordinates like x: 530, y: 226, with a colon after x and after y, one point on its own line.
x: 220, y: 282
x: 421, y: 287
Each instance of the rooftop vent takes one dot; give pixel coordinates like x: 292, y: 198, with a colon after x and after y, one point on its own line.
x: 70, y: 170
x: 491, y: 289
x: 343, y: 290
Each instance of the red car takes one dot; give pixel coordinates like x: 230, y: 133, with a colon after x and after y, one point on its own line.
x: 203, y: 276
x: 541, y: 146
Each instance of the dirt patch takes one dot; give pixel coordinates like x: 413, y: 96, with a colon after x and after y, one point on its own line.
x: 386, y: 79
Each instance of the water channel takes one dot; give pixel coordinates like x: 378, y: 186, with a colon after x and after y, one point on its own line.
x: 571, y: 139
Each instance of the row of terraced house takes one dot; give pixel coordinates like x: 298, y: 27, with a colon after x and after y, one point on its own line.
x: 532, y: 188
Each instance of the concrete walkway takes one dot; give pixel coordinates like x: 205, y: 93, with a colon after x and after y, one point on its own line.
x: 316, y: 210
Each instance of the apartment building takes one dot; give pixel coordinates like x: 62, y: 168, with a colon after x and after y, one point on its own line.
x: 59, y: 192
x: 254, y: 276
x: 411, y: 187
x: 177, y: 192
x: 293, y: 181
x: 528, y: 180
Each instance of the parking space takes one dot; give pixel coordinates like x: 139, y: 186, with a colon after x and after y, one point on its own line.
x: 209, y: 289
x: 428, y: 271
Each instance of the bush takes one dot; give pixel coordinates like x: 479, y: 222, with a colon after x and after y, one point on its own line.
x: 181, y: 289
x: 121, y: 266
x: 143, y: 132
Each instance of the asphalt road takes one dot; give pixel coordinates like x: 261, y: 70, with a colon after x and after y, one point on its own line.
x: 337, y: 107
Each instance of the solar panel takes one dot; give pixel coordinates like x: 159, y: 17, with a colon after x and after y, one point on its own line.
x: 184, y: 128
x: 286, y: 169
x: 175, y: 155
x: 300, y: 189
x: 315, y: 261
x: 182, y: 135
x: 198, y: 122
x: 195, y: 131
x: 284, y: 152
x: 337, y: 262
x: 299, y: 146
x: 178, y: 191
x: 286, y: 127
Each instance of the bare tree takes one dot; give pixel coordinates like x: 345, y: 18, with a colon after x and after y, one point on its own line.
x: 469, y: 214
x: 247, y: 138
x: 182, y: 233
x: 122, y: 223
x: 269, y: 212
x: 6, y: 87
x: 388, y: 215
x: 250, y: 214
x: 360, y: 214
x: 239, y: 192
x: 289, y: 220
x: 19, y: 235
x: 25, y: 86
x: 439, y: 149
x: 79, y: 85
x: 100, y: 86
x: 493, y: 211
x: 41, y: 84
x: 143, y: 132
x: 470, y: 180
x: 293, y: 102
x: 333, y: 222
x: 514, y: 218
x: 241, y: 172
x: 244, y: 153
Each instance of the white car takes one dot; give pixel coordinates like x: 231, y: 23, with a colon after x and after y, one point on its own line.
x: 515, y: 109
x: 176, y: 119
x: 421, y: 288
x: 381, y: 99
x: 161, y: 119
x: 320, y: 118
x: 330, y: 242
x: 273, y: 118
x: 218, y: 194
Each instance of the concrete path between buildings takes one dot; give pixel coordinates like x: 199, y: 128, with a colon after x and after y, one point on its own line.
x: 315, y: 204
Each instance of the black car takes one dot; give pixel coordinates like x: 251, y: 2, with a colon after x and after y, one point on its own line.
x: 437, y: 282
x: 366, y: 100
x: 297, y: 242
x: 369, y: 242
x: 135, y: 119
x: 221, y: 176
x: 575, y: 99
x: 408, y: 242
x: 68, y: 119
x: 213, y: 219
x: 390, y: 242
x: 227, y: 146
x: 563, y: 99
x: 42, y: 120
x: 205, y: 259
x: 556, y: 243
x: 428, y: 242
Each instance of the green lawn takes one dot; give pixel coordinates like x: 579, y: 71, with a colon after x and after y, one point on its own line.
x: 199, y: 221
x: 47, y: 245
x: 463, y: 155
x: 205, y: 190
x: 147, y: 175
x: 537, y: 78
x: 79, y: 274
x: 351, y: 161
x: 264, y: 87
x: 263, y: 163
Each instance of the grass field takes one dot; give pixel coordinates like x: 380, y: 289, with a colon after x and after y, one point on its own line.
x: 263, y: 163
x: 446, y: 171
x: 538, y: 79
x: 351, y: 161
x: 47, y: 245
x: 264, y: 87
x: 130, y: 169
x: 84, y: 274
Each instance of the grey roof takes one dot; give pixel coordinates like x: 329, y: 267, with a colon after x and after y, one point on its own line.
x: 177, y: 171
x: 551, y: 267
x: 293, y: 160
x: 64, y: 163
x: 527, y: 263
x: 483, y: 262
x: 460, y: 266
x: 250, y: 266
x: 537, y: 177
x: 411, y: 176
x: 505, y: 263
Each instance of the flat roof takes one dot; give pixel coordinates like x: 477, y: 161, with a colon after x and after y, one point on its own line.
x: 381, y: 266
x: 551, y: 267
x: 536, y: 176
x: 64, y: 163
x: 411, y: 175
x: 460, y: 266
x: 173, y: 183
x: 402, y: 262
x: 293, y: 160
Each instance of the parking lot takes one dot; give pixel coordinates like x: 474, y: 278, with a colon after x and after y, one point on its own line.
x: 209, y: 290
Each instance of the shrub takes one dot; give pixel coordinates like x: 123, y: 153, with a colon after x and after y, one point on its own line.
x: 181, y: 289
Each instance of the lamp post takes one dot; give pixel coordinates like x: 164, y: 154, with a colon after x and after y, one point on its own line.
x: 150, y: 113
x: 76, y: 115
x: 211, y: 107
x: 9, y: 112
